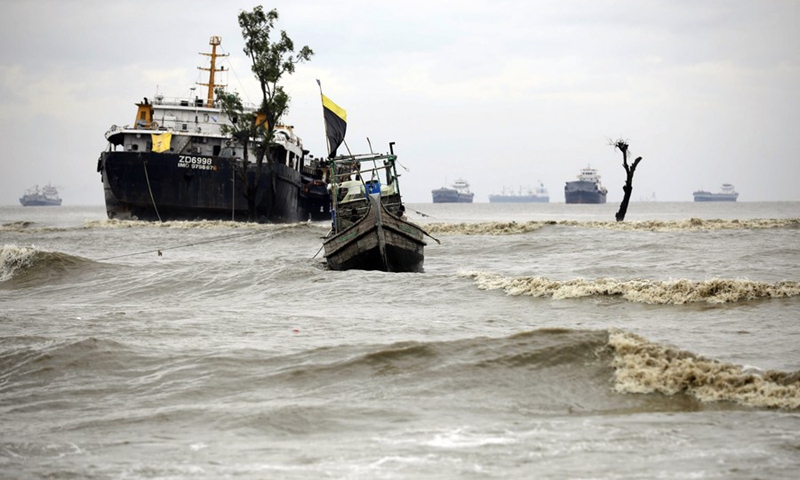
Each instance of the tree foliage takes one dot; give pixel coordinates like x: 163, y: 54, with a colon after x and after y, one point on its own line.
x: 270, y: 61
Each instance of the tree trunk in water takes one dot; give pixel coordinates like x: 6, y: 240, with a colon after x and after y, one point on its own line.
x: 623, y: 208
x: 628, y: 187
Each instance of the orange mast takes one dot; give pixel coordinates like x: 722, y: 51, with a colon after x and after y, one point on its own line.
x: 215, y: 40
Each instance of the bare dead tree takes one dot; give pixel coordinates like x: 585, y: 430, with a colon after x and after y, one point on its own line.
x: 622, y: 145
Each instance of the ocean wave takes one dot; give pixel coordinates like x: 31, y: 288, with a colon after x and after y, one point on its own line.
x: 18, y: 261
x: 644, y: 367
x: 196, y: 225
x: 693, y: 224
x: 490, y: 228
x: 25, y: 226
x: 42, y: 364
x: 14, y: 259
x: 17, y: 226
x: 548, y: 370
x: 641, y: 291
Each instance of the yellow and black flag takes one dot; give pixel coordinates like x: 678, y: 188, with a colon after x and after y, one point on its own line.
x: 335, y: 123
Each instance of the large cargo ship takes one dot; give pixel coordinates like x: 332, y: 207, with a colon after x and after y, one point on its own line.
x: 47, y: 196
x: 727, y: 194
x: 458, y: 193
x: 178, y: 162
x: 538, y: 195
x: 587, y: 189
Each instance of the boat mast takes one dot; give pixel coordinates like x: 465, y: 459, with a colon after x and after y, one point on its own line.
x: 214, y: 41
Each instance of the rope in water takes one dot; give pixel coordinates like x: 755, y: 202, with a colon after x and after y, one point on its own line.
x: 159, y: 250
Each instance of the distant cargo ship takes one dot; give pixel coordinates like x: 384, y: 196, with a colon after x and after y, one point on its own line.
x: 728, y: 194
x: 459, y: 193
x: 587, y: 189
x: 46, y: 197
x: 538, y: 195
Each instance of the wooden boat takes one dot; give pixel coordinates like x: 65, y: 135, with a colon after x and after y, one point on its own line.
x: 369, y: 230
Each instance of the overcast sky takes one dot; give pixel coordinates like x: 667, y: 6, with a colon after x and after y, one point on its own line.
x: 501, y: 93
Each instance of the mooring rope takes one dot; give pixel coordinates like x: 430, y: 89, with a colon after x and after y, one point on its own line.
x: 159, y: 250
x: 147, y: 177
x: 420, y: 213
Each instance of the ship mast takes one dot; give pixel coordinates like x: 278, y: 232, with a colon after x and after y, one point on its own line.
x: 214, y: 41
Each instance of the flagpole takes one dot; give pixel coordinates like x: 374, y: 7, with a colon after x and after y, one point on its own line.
x: 324, y: 123
x: 332, y: 171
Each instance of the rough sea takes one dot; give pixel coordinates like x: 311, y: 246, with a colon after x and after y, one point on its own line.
x: 542, y: 341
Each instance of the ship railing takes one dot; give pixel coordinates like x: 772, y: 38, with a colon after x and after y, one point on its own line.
x: 196, y: 102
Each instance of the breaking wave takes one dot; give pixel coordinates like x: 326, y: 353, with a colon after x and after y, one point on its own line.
x: 644, y: 367
x: 546, y: 370
x: 490, y: 228
x: 641, y: 291
x: 195, y: 225
x: 24, y: 226
x: 693, y: 224
x: 18, y: 261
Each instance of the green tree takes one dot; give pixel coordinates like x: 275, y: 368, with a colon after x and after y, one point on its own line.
x: 270, y: 61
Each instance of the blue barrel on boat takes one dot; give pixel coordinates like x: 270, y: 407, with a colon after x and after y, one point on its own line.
x: 373, y: 186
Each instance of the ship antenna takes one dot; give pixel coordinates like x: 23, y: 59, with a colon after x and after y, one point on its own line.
x: 214, y: 41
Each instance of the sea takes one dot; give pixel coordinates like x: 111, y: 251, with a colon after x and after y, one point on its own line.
x: 542, y: 341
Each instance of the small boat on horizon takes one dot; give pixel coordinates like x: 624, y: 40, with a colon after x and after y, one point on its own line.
x: 47, y: 196
x: 727, y: 194
x: 458, y: 193
x: 537, y: 195
x: 586, y: 189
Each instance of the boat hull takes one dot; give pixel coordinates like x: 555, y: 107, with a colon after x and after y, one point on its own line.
x: 447, y: 195
x: 378, y: 241
x: 315, y: 199
x: 715, y: 197
x: 518, y: 199
x: 39, y: 203
x: 584, y: 192
x: 165, y: 186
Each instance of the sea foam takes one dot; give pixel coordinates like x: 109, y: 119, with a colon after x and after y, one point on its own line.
x: 644, y: 367
x: 693, y: 224
x: 14, y: 258
x: 641, y: 291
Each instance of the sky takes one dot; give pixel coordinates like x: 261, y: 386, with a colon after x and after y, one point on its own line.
x: 505, y: 94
